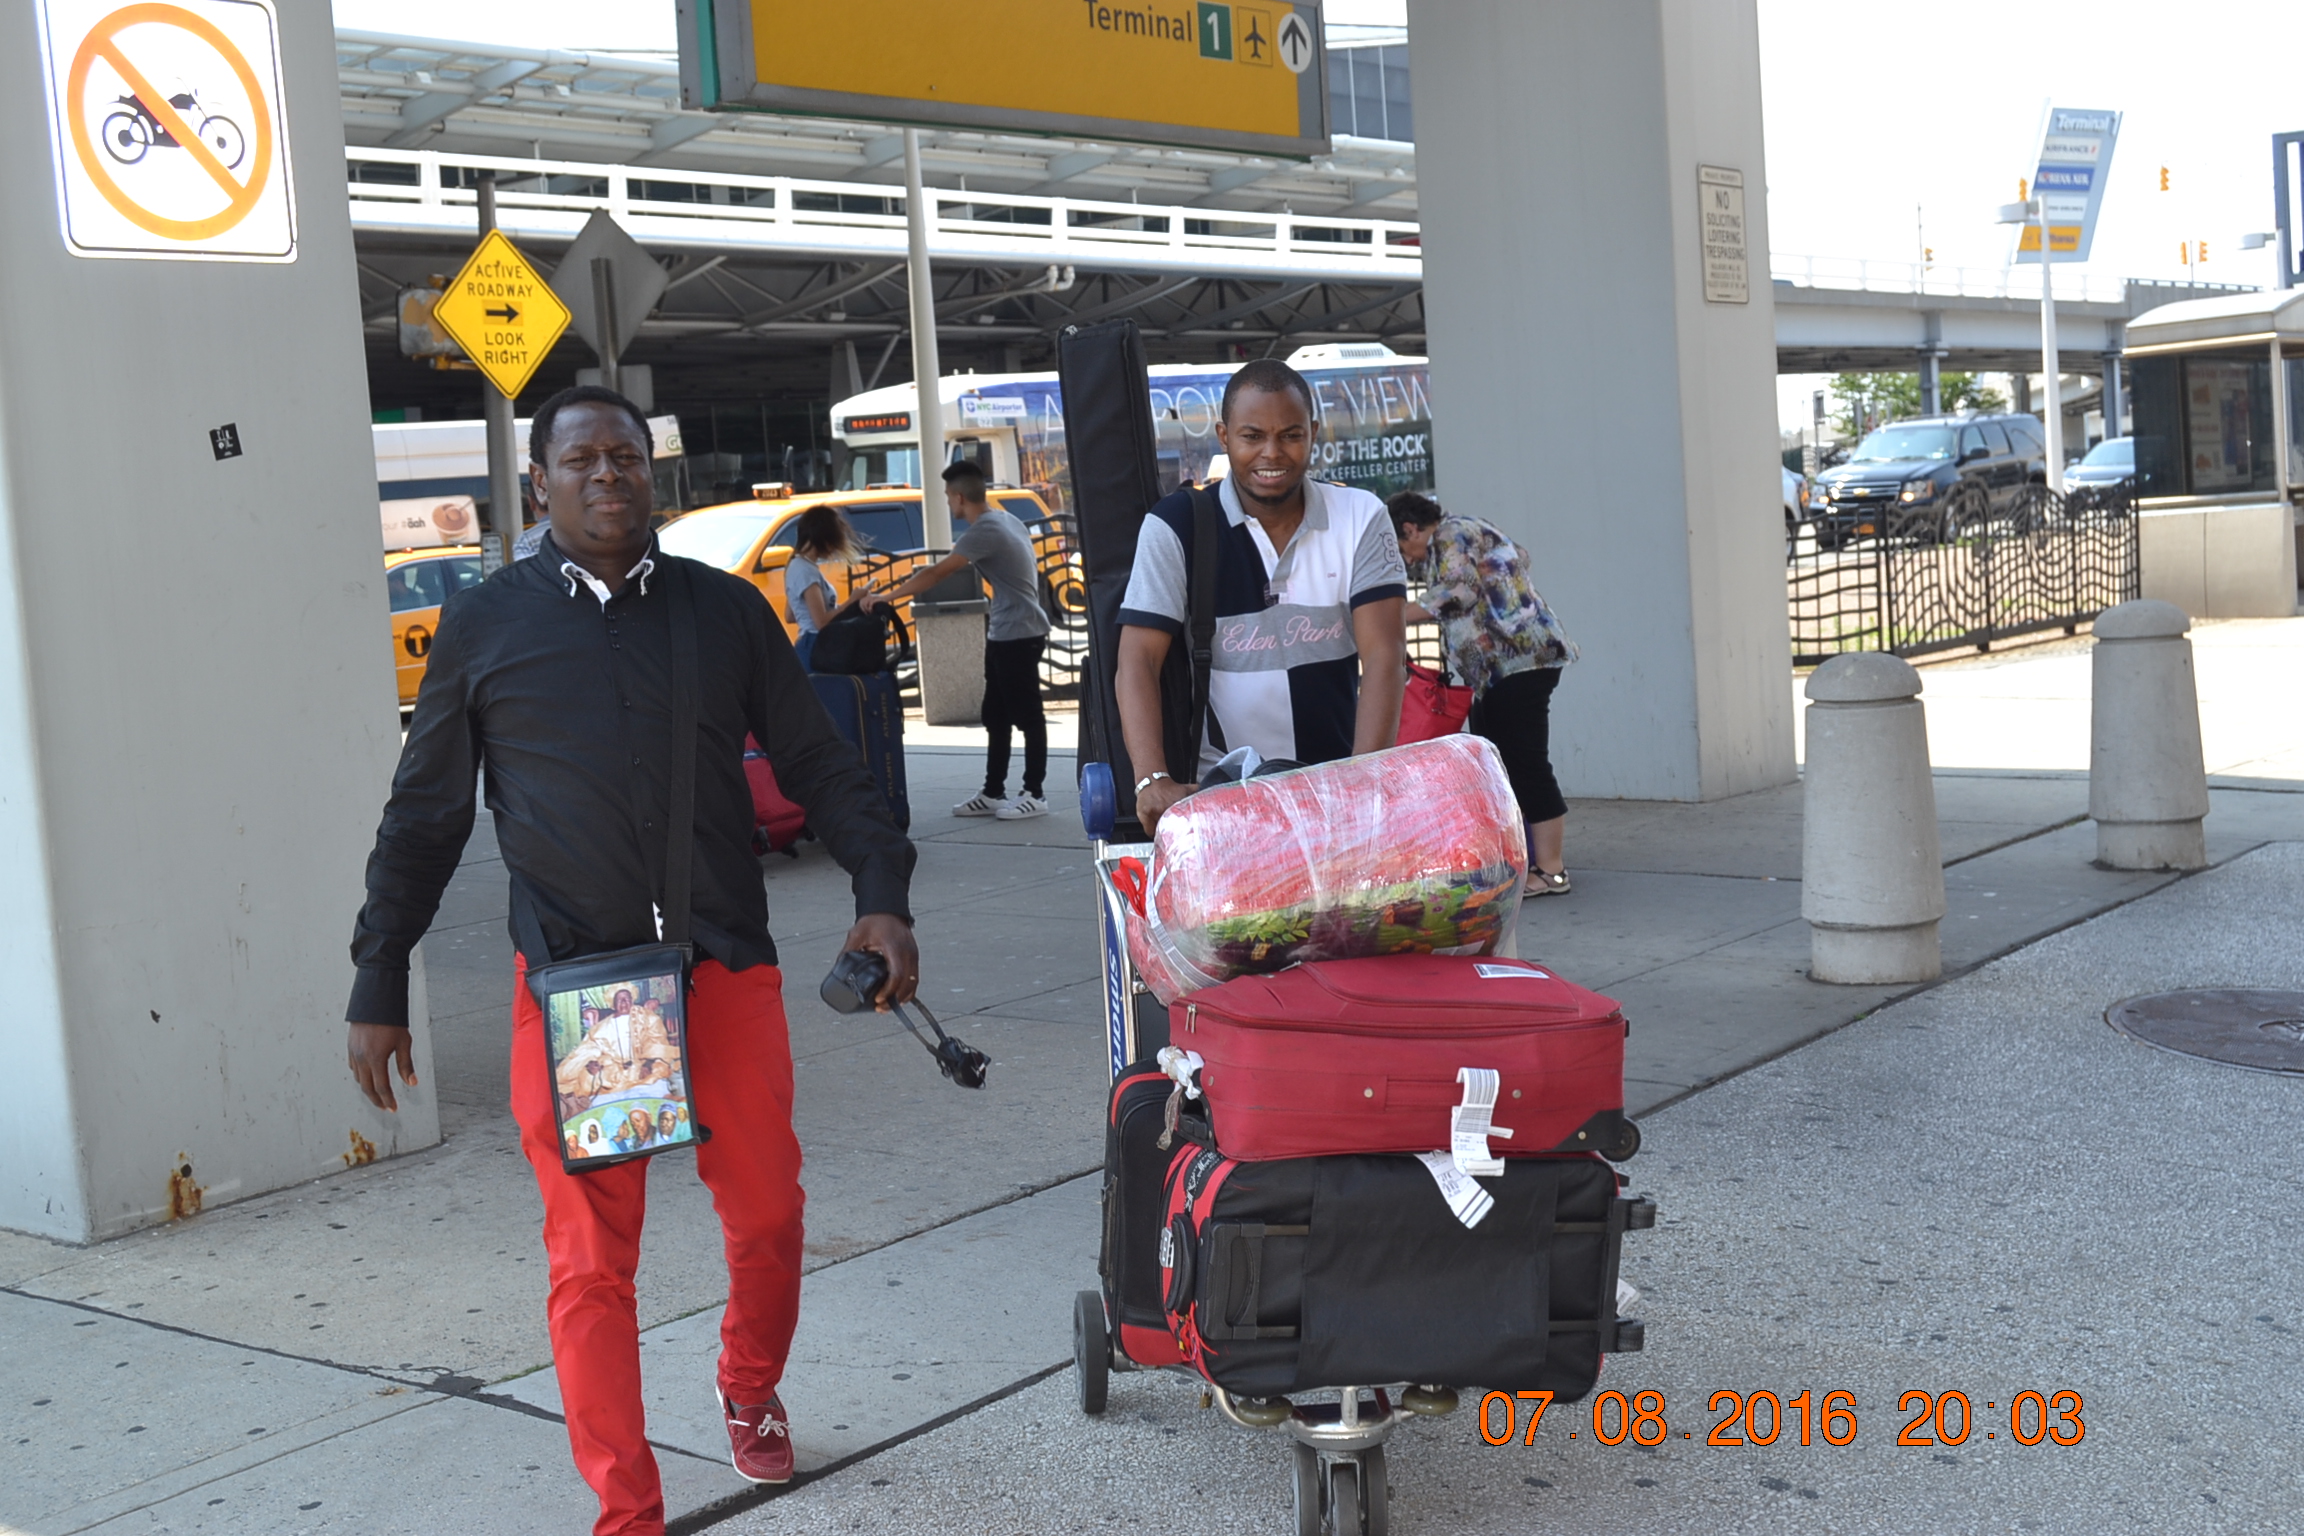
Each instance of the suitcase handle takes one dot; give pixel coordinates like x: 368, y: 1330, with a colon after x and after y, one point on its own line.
x: 1221, y: 1240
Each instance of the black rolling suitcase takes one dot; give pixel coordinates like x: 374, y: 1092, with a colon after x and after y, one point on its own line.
x: 1314, y: 1272
x: 866, y: 709
x: 1135, y: 1196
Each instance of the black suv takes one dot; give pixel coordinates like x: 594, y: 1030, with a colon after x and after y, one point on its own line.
x: 1900, y: 481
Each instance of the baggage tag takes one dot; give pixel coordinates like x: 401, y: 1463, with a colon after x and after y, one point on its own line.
x: 1468, y: 1200
x: 1470, y: 1130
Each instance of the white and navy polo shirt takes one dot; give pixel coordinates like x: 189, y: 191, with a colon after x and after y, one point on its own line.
x: 1286, y: 674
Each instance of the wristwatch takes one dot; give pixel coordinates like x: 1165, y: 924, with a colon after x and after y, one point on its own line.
x: 1148, y: 778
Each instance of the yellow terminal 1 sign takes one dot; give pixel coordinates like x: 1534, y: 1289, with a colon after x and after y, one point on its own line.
x: 502, y: 313
x: 1206, y: 74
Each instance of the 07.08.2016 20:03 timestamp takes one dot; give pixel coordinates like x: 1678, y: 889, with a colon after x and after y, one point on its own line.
x: 1761, y: 1418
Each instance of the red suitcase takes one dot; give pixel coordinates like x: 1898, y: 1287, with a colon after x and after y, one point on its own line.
x: 776, y: 821
x: 1354, y: 1056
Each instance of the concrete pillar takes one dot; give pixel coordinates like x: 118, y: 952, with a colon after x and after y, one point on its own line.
x: 1604, y: 375
x: 1871, y: 866
x: 1931, y: 381
x: 2115, y: 397
x: 2147, y: 784
x: 197, y: 726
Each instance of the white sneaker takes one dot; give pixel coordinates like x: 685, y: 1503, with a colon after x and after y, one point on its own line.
x: 1021, y: 807
x: 978, y: 805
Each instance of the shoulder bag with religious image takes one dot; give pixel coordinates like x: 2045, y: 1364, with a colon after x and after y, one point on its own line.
x: 616, y: 1025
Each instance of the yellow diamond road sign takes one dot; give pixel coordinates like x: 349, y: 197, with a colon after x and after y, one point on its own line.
x: 502, y: 313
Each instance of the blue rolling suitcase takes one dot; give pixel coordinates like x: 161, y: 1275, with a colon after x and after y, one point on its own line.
x: 865, y: 709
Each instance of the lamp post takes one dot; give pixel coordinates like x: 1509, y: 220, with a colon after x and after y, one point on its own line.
x: 2029, y: 211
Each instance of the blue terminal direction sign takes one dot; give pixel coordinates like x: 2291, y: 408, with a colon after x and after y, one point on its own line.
x: 2075, y: 157
x: 1245, y: 76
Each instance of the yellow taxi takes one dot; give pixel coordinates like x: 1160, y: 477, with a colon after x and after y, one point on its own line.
x: 416, y: 583
x: 754, y: 540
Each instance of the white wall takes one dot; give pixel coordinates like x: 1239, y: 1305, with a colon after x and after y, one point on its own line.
x: 195, y: 694
x: 1586, y: 398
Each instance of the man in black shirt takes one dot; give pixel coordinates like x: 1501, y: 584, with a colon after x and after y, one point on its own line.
x: 556, y: 676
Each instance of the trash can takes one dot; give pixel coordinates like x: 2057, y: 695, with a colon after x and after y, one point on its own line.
x: 948, y: 630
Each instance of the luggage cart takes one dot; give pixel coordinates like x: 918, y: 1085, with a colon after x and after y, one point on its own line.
x: 1336, y: 1468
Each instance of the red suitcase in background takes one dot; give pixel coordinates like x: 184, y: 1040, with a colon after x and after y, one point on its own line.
x: 776, y: 822
x: 1356, y: 1056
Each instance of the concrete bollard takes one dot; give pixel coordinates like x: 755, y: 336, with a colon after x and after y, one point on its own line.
x: 1871, y: 867
x: 2147, y: 783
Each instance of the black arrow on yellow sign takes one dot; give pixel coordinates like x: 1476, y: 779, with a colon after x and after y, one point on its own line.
x: 507, y: 314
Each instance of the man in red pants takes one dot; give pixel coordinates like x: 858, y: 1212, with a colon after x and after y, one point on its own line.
x: 556, y: 675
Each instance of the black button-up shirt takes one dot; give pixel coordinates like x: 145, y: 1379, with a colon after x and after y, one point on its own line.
x: 567, y: 703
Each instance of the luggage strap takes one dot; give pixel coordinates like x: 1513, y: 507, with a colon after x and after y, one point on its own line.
x: 1221, y: 1240
x: 1207, y: 535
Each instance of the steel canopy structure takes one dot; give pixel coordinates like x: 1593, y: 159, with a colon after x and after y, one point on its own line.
x: 624, y: 109
x: 785, y: 236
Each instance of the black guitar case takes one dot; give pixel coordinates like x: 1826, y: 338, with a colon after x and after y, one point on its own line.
x: 1110, y: 440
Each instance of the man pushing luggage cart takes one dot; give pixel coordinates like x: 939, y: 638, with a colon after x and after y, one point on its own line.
x: 1346, y: 1177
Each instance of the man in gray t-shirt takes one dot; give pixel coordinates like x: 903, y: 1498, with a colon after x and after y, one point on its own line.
x: 1000, y: 548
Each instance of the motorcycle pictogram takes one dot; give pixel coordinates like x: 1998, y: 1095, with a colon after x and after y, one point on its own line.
x: 131, y: 130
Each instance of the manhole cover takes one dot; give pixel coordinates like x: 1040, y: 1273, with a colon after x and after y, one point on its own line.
x: 2242, y: 1027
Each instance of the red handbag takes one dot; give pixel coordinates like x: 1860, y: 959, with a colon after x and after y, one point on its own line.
x: 1431, y: 706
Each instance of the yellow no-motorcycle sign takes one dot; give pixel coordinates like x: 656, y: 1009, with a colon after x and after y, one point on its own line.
x: 168, y: 130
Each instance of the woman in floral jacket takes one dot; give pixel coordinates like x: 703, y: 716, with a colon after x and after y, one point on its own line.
x: 1504, y: 643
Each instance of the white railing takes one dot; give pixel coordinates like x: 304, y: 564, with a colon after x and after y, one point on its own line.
x: 387, y: 187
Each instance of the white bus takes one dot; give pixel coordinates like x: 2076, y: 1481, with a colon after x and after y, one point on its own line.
x: 1375, y: 424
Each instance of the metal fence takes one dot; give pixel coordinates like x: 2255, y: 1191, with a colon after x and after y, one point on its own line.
x: 1063, y: 596
x: 1967, y: 576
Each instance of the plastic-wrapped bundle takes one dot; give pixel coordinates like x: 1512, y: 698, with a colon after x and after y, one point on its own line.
x: 1419, y: 850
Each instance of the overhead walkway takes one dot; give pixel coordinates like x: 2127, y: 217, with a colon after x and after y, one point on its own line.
x: 1850, y: 315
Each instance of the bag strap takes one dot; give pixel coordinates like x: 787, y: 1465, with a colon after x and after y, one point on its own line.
x: 680, y: 854
x: 1207, y: 532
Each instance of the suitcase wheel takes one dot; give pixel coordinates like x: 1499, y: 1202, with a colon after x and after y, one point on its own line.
x: 1625, y: 1144
x: 1091, y: 1352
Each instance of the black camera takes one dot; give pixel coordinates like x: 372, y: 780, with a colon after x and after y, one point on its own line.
x: 855, y: 983
x: 854, y: 987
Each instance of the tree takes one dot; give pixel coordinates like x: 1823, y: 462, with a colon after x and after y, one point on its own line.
x: 1886, y: 397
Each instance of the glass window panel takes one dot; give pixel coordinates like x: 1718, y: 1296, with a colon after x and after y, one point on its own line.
x: 1339, y: 90
x: 2295, y: 367
x: 1398, y: 118
x: 2227, y: 415
x: 884, y: 528
x: 1995, y: 439
x: 414, y: 585
x: 2155, y: 404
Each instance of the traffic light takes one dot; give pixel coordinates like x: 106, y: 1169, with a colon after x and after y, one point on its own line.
x: 2163, y: 178
x: 2200, y: 250
x: 2023, y: 190
x: 2184, y: 252
x: 1928, y: 255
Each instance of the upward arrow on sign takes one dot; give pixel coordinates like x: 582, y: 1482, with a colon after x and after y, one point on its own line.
x: 1295, y: 42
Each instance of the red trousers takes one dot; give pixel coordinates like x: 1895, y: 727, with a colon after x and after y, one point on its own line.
x: 740, y: 1077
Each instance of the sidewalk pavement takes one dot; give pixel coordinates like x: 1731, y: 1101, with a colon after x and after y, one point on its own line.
x: 367, y: 1352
